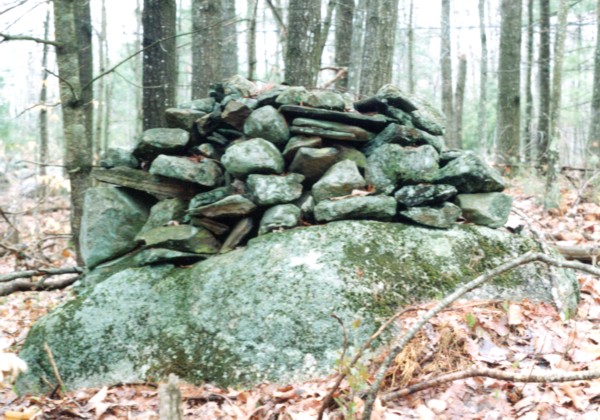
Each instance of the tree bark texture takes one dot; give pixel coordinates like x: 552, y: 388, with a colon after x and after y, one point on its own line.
x: 83, y: 21
x: 344, y: 16
x: 594, y: 136
x: 411, y: 48
x: 358, y: 41
x: 101, y: 109
x: 446, y: 67
x: 378, y: 48
x: 78, y: 157
x: 251, y: 38
x: 159, y: 61
x: 459, y: 99
x: 543, y: 126
x: 483, y: 79
x: 529, y: 141
x: 304, y: 32
x: 206, y: 52
x: 552, y: 194
x: 229, y: 49
x: 43, y: 148
x: 509, y: 74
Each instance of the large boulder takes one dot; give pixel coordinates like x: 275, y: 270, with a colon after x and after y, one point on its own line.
x: 263, y: 313
x: 111, y: 220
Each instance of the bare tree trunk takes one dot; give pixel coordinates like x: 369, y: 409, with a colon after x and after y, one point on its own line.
x: 594, y: 136
x: 78, y: 157
x: 43, y: 149
x: 138, y: 70
x: 251, y: 38
x: 358, y: 39
x: 411, y: 48
x: 509, y: 107
x: 529, y: 141
x: 446, y: 67
x: 378, y: 51
x: 304, y: 32
x: 324, y: 34
x: 83, y: 20
x: 459, y: 99
x: 159, y: 20
x: 552, y: 194
x: 206, y: 53
x: 229, y: 55
x: 483, y: 79
x: 101, y: 87
x: 343, y: 38
x: 543, y: 127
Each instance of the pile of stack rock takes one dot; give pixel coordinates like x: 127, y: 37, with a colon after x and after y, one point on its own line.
x: 242, y: 163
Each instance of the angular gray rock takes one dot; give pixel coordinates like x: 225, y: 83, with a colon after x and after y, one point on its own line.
x: 156, y: 141
x: 395, y: 96
x: 267, y: 123
x: 254, y: 156
x: 165, y: 256
x: 329, y: 130
x: 404, y: 136
x: 296, y: 142
x: 118, y: 156
x: 184, y: 118
x: 186, y: 238
x: 374, y: 123
x: 231, y: 206
x: 293, y: 95
x: 210, y: 197
x: 392, y: 165
x: 283, y: 216
x: 339, y: 180
x: 375, y: 207
x: 206, y: 105
x: 239, y: 232
x: 443, y: 217
x: 313, y: 163
x: 235, y: 114
x: 470, y: 174
x: 268, y: 190
x: 424, y: 194
x: 164, y: 212
x: 325, y: 99
x: 487, y: 209
x: 206, y: 172
x: 262, y: 313
x: 111, y: 220
x: 213, y: 226
x: 350, y: 153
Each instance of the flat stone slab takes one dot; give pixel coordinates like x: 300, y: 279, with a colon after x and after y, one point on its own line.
x: 206, y: 172
x: 487, y: 209
x: 376, y: 207
x: 156, y: 141
x: 186, y: 238
x: 371, y: 123
x: 443, y: 217
x: 230, y: 206
x: 268, y: 190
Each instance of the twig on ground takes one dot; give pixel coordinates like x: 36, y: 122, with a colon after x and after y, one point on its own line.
x: 529, y: 377
x: 22, y: 285
x: 60, y: 388
x: 473, y: 284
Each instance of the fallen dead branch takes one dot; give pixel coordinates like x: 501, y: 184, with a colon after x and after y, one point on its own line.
x: 529, y: 377
x: 401, y: 343
x: 26, y: 285
x: 586, y: 253
x: 40, y: 272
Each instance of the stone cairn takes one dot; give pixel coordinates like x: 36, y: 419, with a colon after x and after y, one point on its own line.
x: 243, y: 163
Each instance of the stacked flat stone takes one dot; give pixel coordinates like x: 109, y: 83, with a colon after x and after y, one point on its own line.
x: 250, y: 163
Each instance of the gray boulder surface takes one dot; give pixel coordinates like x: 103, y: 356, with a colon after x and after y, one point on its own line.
x: 262, y: 313
x: 111, y: 220
x: 253, y: 156
x: 486, y: 209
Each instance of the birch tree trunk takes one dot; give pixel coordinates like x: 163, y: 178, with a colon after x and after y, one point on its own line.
x: 251, y: 38
x: 344, y: 15
x: 509, y: 74
x: 529, y: 149
x: 304, y: 32
x: 358, y: 40
x: 552, y: 194
x: 411, y: 49
x: 159, y: 19
x: 78, y: 157
x: 461, y: 81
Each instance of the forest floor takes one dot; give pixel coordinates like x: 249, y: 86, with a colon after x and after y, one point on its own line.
x: 516, y: 337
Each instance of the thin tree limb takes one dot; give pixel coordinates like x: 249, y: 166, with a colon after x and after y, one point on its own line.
x: 55, y: 370
x: 8, y: 37
x: 473, y: 284
x: 529, y: 377
x: 278, y: 18
x: 40, y: 272
x: 26, y: 285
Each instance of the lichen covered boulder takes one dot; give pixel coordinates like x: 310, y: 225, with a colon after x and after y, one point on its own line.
x: 262, y: 313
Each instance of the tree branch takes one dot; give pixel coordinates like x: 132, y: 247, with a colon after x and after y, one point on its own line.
x: 8, y: 37
x: 25, y: 285
x: 529, y: 377
x: 473, y: 284
x: 40, y: 272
